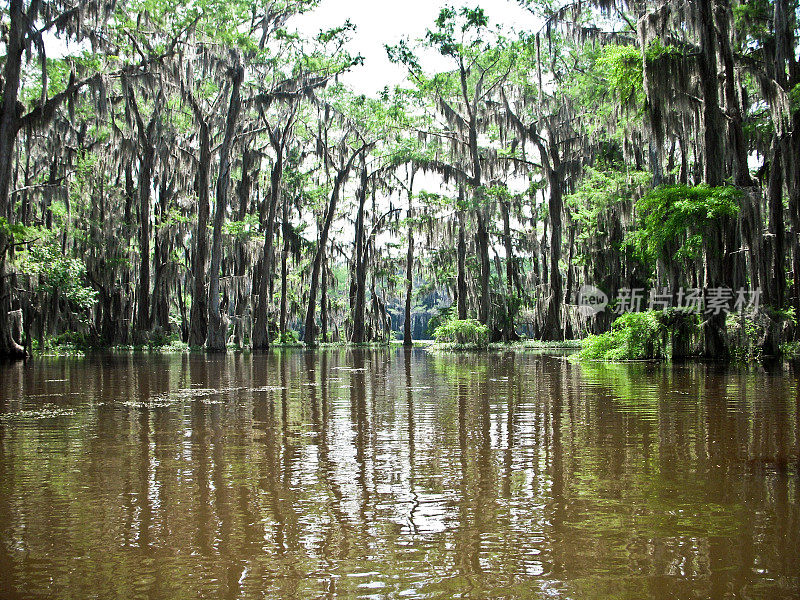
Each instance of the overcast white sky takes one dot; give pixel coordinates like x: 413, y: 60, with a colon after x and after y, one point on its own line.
x: 382, y: 22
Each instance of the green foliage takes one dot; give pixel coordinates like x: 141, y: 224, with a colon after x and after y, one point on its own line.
x: 290, y: 338
x: 242, y: 230
x: 593, y: 203
x: 745, y: 333
x: 467, y: 333
x: 677, y: 220
x: 633, y: 336
x: 657, y: 49
x: 59, y: 275
x: 17, y: 231
x: 622, y: 66
x: 790, y: 350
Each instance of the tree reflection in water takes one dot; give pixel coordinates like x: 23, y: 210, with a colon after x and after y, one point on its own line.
x: 396, y: 473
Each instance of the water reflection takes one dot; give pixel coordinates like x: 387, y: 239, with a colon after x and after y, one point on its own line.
x: 394, y: 474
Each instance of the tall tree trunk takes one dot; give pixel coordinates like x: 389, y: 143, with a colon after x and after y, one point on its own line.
x: 714, y: 167
x: 359, y: 279
x: 242, y: 295
x: 407, y: 340
x: 777, y: 285
x: 552, y: 328
x: 482, y: 245
x: 217, y: 325
x: 794, y: 206
x: 284, y: 270
x: 260, y: 322
x: 198, y: 314
x: 310, y: 334
x: 9, y: 126
x: 143, y: 293
x: 712, y: 115
x: 323, y: 301
x: 512, y: 281
x: 161, y: 252
x: 461, y: 275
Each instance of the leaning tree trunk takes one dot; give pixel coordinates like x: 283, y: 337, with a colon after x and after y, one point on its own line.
x: 310, y: 333
x: 310, y: 326
x: 217, y: 325
x: 323, y: 302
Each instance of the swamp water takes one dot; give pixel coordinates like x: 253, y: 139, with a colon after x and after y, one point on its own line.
x: 394, y: 474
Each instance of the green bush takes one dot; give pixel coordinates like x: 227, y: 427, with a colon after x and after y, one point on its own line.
x: 633, y: 336
x: 462, y: 333
x: 290, y: 338
x: 790, y: 350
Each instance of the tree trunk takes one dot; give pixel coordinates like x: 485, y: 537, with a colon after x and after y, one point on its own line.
x: 161, y: 252
x: 284, y: 271
x: 309, y: 334
x: 198, y: 315
x: 512, y: 281
x: 712, y: 115
x: 461, y: 276
x: 242, y: 295
x: 323, y: 302
x: 794, y: 206
x: 552, y: 328
x: 143, y: 292
x: 777, y: 284
x: 359, y: 280
x: 407, y: 340
x: 260, y: 322
x: 217, y: 324
x: 9, y: 126
x: 482, y: 244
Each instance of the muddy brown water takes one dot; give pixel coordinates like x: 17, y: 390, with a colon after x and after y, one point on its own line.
x: 393, y: 474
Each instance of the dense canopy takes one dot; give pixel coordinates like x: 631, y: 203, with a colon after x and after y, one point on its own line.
x: 196, y: 172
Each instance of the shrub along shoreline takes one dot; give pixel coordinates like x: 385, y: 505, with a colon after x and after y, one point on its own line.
x: 636, y: 336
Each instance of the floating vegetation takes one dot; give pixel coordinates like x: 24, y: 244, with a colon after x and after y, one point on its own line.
x: 201, y: 395
x: 158, y: 402
x: 47, y: 411
x: 268, y: 388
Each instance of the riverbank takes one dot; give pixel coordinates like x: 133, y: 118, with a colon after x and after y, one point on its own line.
x: 580, y: 349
